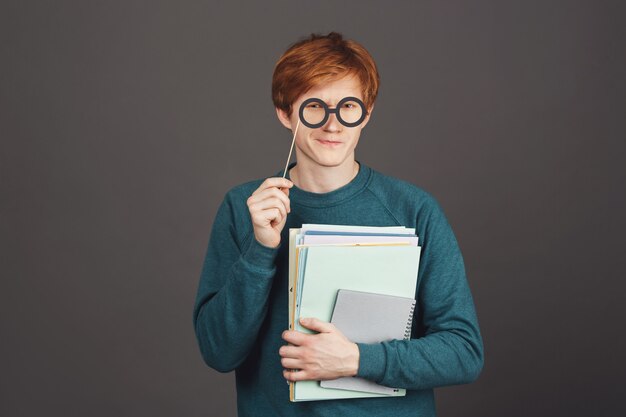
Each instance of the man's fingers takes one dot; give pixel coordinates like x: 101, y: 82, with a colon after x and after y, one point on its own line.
x: 295, y: 338
x: 317, y: 325
x: 277, y: 182
x: 297, y: 375
x: 289, y: 351
x: 259, y: 194
x: 290, y: 363
x: 270, y: 193
x: 269, y: 203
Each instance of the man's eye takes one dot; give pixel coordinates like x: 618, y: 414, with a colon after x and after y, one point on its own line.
x: 314, y: 106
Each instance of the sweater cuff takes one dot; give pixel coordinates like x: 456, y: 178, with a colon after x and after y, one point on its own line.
x: 259, y: 255
x: 372, y: 361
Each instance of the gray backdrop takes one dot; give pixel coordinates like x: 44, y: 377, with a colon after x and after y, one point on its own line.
x: 123, y: 124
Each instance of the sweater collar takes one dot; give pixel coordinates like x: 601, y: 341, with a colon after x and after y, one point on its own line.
x: 349, y: 190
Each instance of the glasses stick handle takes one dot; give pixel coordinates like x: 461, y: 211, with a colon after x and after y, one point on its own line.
x: 293, y: 141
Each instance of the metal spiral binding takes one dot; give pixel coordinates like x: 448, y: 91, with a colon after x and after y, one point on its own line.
x: 409, y: 324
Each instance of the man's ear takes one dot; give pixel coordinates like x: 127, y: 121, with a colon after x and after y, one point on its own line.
x: 283, y: 118
x: 367, y: 118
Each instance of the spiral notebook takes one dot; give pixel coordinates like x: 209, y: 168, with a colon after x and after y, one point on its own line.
x: 365, y: 317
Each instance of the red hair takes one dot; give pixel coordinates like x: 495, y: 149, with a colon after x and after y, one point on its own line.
x: 318, y: 59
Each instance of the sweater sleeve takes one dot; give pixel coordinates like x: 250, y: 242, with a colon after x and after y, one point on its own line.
x: 450, y: 350
x: 233, y: 292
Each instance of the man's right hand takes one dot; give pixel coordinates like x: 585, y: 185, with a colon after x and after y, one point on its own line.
x: 269, y: 205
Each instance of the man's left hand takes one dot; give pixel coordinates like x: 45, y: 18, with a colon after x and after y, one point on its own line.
x: 322, y: 356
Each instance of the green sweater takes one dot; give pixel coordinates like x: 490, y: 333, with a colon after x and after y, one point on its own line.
x: 241, y: 306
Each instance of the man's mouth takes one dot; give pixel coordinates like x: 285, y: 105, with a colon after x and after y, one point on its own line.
x: 328, y: 142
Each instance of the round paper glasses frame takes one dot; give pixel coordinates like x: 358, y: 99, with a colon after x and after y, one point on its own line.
x: 328, y: 111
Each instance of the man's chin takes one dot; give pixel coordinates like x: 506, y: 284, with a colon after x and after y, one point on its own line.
x: 330, y: 162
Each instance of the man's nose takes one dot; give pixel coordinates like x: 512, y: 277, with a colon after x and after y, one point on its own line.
x: 332, y: 124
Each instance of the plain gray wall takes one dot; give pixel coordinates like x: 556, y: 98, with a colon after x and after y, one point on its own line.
x: 123, y: 124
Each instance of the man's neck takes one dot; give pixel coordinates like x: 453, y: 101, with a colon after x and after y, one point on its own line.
x: 320, y: 179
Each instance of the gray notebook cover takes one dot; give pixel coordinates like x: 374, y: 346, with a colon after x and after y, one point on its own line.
x: 370, y: 318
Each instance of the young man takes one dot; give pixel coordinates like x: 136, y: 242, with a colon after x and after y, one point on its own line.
x: 240, y: 315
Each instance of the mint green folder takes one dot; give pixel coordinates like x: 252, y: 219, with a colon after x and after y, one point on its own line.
x: 390, y: 270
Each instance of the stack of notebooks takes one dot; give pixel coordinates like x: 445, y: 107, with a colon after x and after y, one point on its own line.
x: 363, y: 280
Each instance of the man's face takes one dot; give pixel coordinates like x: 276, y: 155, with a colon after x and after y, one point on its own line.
x: 333, y: 143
